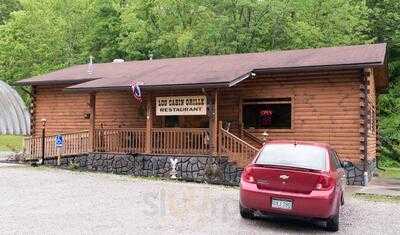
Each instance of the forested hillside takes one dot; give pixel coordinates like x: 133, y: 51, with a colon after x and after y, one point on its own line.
x: 38, y: 36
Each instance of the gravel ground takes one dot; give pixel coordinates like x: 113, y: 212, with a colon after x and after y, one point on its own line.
x: 5, y: 154
x: 47, y: 200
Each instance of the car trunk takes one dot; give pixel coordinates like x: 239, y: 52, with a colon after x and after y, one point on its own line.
x: 285, y: 179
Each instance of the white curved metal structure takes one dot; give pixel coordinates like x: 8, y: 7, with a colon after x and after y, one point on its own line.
x: 14, y: 116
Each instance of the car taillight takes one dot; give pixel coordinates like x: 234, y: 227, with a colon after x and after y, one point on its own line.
x: 248, y: 175
x: 324, y: 183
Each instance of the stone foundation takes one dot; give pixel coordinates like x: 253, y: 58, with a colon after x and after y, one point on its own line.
x: 355, y: 174
x: 217, y: 170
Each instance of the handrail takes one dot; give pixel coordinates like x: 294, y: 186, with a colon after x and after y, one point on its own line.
x: 54, y: 135
x: 121, y: 129
x: 253, y: 137
x: 238, y: 139
x: 235, y: 148
x: 180, y: 129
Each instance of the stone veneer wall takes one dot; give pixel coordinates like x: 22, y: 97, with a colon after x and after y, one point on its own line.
x: 355, y: 174
x: 209, y: 169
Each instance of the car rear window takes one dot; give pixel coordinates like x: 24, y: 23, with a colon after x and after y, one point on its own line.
x: 302, y: 156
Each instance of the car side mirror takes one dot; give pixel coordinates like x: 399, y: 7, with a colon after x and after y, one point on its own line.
x: 347, y: 164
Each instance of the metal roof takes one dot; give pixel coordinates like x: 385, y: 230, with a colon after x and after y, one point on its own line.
x: 219, y: 70
x: 14, y: 116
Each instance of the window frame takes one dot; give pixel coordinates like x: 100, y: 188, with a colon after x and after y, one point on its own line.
x: 291, y: 101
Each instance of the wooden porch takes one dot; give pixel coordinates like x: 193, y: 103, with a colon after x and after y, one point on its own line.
x: 160, y: 141
x: 153, y: 139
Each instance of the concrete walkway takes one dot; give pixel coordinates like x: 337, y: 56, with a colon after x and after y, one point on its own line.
x: 381, y: 186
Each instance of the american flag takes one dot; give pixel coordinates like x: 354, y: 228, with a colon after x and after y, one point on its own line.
x: 136, y: 91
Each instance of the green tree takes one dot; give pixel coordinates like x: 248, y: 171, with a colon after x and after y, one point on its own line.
x: 44, y: 36
x: 51, y: 34
x: 6, y: 8
x: 171, y: 28
x: 105, y: 27
x: 385, y: 27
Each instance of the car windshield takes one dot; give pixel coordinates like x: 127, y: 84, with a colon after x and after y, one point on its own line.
x: 294, y: 155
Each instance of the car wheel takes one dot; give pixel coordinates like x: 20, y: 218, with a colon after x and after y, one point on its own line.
x: 246, y: 213
x: 342, y: 200
x: 332, y: 224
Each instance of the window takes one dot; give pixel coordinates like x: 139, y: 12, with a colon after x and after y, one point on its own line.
x: 267, y: 113
x: 293, y: 155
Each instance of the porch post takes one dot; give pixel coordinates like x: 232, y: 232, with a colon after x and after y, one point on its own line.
x: 240, y: 117
x: 149, y: 124
x: 214, y: 126
x: 92, y: 105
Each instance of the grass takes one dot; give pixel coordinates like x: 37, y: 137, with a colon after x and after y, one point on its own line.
x: 11, y: 142
x: 377, y: 198
x: 387, y: 162
x: 390, y: 173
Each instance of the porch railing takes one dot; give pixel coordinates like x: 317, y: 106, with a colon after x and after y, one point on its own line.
x: 180, y: 141
x: 235, y: 148
x: 120, y: 140
x: 196, y: 141
x: 256, y: 142
x: 32, y: 147
x: 74, y: 143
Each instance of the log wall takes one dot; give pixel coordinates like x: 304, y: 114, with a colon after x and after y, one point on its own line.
x: 64, y: 112
x: 326, y: 108
x: 118, y: 109
x: 372, y: 110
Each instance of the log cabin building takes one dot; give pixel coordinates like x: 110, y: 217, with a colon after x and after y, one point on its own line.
x: 224, y: 105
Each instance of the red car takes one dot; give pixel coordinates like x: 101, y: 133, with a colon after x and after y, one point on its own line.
x: 301, y: 179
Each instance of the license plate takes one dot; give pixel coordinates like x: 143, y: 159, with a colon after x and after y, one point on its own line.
x: 282, y: 204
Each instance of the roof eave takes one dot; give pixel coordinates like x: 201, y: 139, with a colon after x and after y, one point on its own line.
x: 323, y: 67
x: 53, y: 82
x: 150, y: 87
x: 302, y: 69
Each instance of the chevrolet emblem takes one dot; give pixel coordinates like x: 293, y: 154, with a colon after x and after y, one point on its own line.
x: 284, y: 177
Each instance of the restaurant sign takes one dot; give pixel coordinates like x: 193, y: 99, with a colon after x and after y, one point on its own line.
x: 181, y: 105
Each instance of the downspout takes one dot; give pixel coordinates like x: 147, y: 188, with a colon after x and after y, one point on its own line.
x: 365, y: 74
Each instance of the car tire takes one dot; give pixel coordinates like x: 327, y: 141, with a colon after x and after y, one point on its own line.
x: 332, y: 224
x: 342, y: 200
x: 246, y: 213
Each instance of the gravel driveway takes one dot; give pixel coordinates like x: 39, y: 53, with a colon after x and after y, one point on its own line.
x: 46, y: 200
x: 5, y: 154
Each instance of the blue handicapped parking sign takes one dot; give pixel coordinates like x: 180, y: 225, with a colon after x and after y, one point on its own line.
x: 59, y: 140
